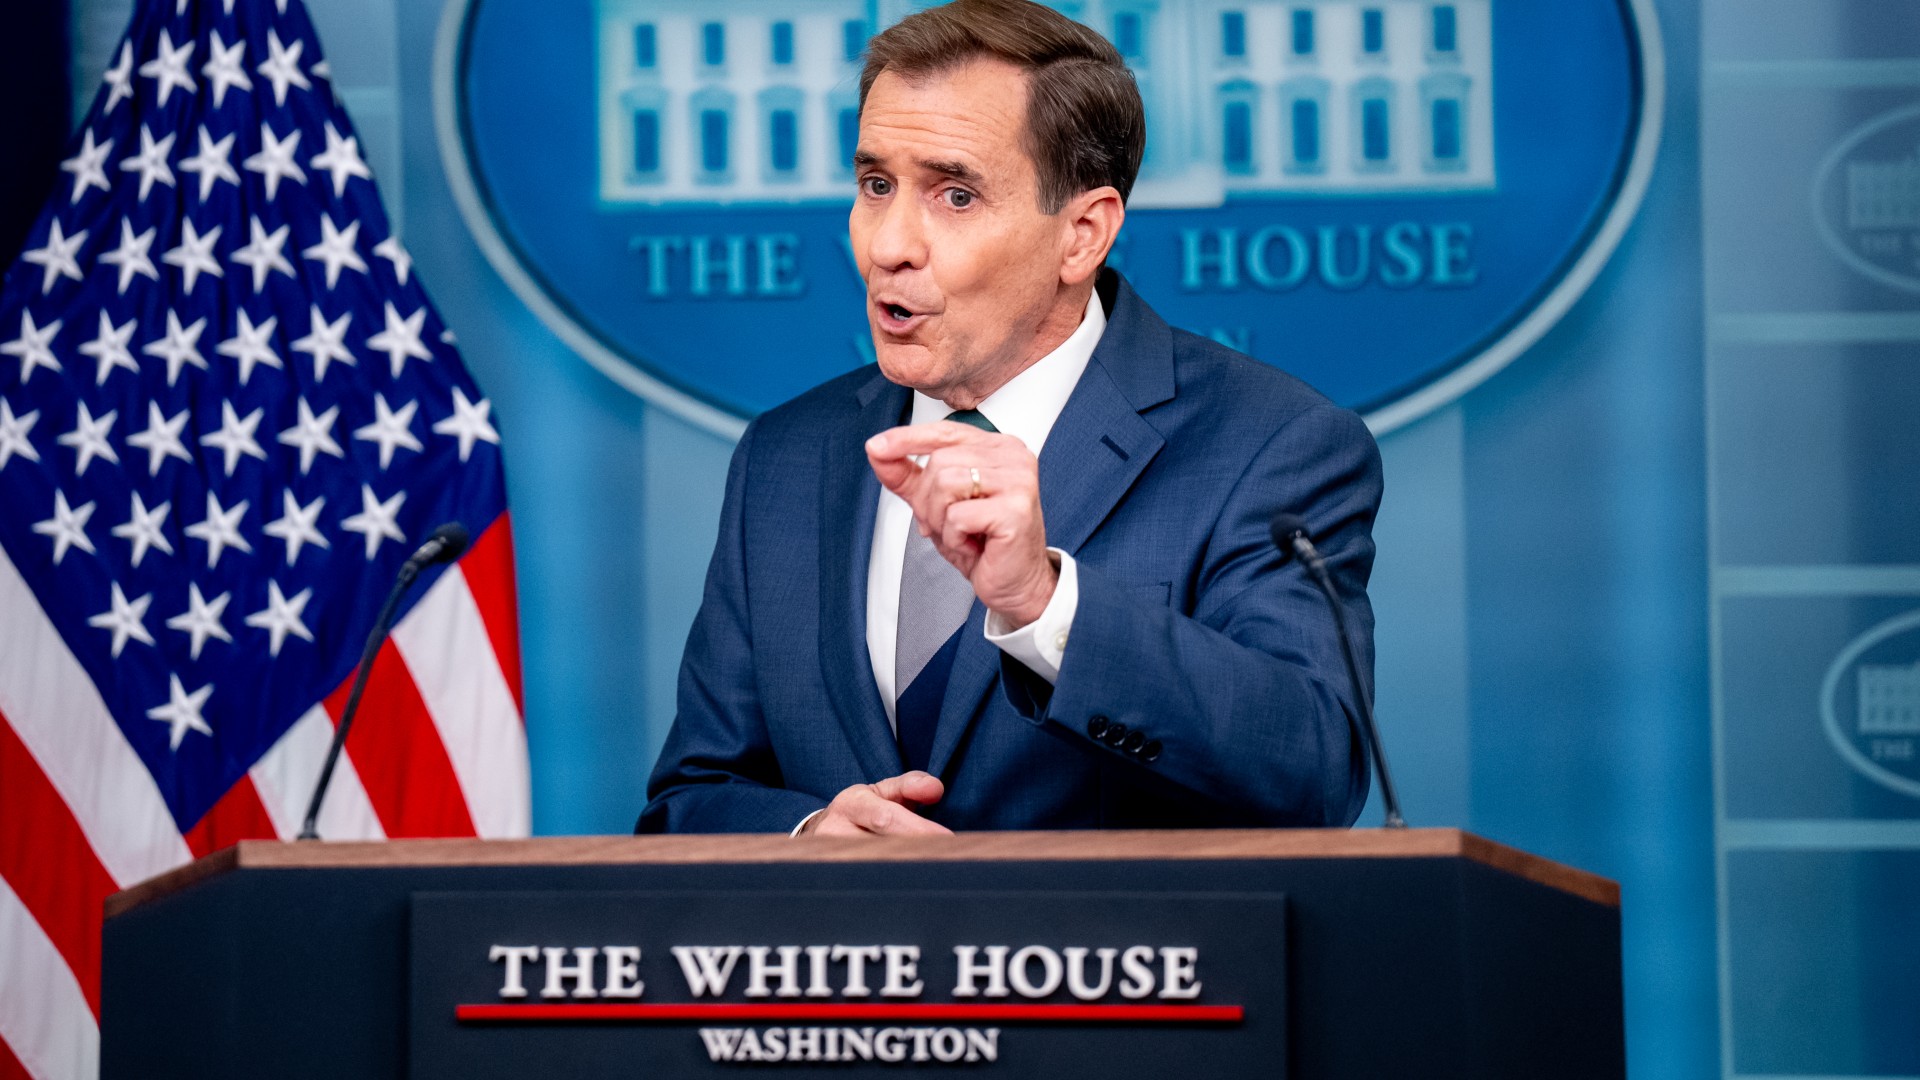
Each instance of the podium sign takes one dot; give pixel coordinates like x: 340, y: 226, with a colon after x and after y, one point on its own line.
x: 1232, y: 953
x: 682, y: 984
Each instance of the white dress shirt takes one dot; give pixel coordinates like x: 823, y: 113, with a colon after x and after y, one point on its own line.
x: 1026, y: 408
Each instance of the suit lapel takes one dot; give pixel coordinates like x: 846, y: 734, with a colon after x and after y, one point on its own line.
x: 850, y: 497
x: 1097, y: 449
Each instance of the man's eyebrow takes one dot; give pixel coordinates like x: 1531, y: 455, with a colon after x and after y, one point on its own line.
x: 956, y: 169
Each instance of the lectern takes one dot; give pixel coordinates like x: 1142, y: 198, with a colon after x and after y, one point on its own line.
x: 1360, y: 954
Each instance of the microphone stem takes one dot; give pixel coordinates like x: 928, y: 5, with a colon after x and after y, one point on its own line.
x: 310, y: 830
x: 1317, y: 568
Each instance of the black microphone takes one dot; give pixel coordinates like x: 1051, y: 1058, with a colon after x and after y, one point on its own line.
x: 444, y: 544
x: 1290, y: 535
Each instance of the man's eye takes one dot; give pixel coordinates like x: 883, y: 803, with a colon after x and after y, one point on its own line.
x: 877, y: 185
x: 959, y: 198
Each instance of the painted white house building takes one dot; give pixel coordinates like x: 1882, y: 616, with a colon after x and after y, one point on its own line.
x: 1884, y: 195
x: 756, y: 101
x: 1890, y: 699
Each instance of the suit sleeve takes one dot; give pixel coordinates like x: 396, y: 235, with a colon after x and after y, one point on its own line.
x: 717, y: 771
x: 1244, y: 700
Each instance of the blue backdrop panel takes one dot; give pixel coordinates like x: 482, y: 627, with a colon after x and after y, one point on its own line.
x: 1812, y: 196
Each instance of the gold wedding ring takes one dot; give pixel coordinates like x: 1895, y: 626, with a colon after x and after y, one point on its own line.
x: 975, y: 473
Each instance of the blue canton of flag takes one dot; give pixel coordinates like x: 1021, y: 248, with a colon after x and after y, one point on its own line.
x: 228, y: 413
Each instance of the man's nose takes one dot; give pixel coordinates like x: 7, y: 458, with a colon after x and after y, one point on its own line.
x: 899, y: 241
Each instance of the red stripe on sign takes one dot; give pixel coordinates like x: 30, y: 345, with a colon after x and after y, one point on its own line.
x: 1056, y: 1014
x: 10, y: 1067
x: 488, y: 567
x: 397, y: 751
x: 239, y: 815
x: 48, y: 863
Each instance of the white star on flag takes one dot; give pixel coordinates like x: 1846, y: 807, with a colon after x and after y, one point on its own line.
x: 57, y: 257
x: 143, y: 529
x: 390, y: 429
x: 376, y: 519
x: 342, y: 160
x: 282, y: 67
x: 468, y: 423
x: 201, y: 620
x: 336, y: 249
x: 125, y: 620
x: 263, y: 253
x: 235, y: 436
x: 13, y: 434
x: 161, y: 440
x: 34, y: 346
x: 390, y: 250
x: 131, y: 256
x: 275, y: 161
x: 326, y: 341
x: 88, y: 166
x: 212, y: 162
x: 182, y: 710
x: 281, y: 617
x: 180, y: 347
x: 312, y: 435
x: 223, y: 69
x: 220, y: 530
x: 297, y: 525
x: 109, y: 348
x: 151, y: 162
x: 68, y: 527
x: 251, y: 344
x: 401, y: 339
x: 89, y: 438
x: 169, y: 69
x: 194, y: 256
x: 119, y: 79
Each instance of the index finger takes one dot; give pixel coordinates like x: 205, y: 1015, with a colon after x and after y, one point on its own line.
x: 895, y: 443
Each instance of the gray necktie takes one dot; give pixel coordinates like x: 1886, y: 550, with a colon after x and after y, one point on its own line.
x: 934, y: 596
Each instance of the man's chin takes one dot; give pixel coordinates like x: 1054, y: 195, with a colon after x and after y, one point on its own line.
x: 907, y: 363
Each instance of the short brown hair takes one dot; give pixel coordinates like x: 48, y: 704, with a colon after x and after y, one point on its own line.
x: 1086, y: 127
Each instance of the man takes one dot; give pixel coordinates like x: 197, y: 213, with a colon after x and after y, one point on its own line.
x: 1059, y: 608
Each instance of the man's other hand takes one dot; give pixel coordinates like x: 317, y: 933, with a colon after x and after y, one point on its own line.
x: 977, y: 496
x: 883, y: 809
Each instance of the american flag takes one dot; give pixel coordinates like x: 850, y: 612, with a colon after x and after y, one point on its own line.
x: 228, y: 414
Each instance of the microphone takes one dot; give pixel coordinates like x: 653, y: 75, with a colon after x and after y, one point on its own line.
x: 1290, y: 535
x: 443, y: 545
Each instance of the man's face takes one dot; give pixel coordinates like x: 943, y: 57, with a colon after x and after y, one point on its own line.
x: 961, y: 265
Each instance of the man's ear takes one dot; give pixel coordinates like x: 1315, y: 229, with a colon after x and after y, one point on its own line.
x: 1091, y: 221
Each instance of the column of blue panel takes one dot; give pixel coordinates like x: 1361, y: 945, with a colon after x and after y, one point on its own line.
x: 1812, y: 194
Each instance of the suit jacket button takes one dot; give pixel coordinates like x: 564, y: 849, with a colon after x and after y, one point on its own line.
x: 1097, y: 726
x: 1134, y: 741
x: 1151, y: 751
x: 1116, y: 732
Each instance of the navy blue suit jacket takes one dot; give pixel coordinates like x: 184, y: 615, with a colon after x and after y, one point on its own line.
x: 1160, y: 478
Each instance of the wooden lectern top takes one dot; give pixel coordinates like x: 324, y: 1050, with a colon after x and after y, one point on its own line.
x: 968, y: 847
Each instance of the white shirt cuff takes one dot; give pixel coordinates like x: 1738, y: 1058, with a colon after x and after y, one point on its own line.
x: 1042, y: 644
x: 804, y: 820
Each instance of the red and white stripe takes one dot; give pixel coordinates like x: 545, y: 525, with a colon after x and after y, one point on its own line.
x: 439, y: 749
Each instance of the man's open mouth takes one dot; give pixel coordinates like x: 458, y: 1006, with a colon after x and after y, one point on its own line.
x: 896, y: 318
